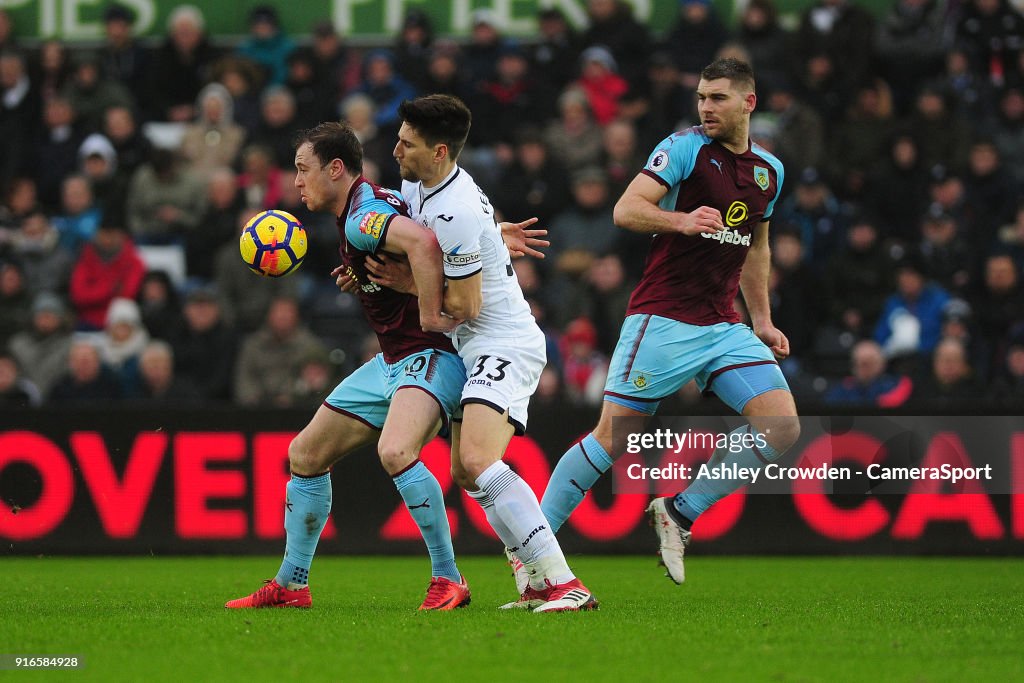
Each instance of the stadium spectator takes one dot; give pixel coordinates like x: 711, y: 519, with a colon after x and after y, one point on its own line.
x: 601, y: 84
x: 820, y: 86
x: 16, y: 391
x: 585, y: 228
x: 91, y: 92
x: 269, y: 360
x: 509, y: 100
x: 165, y: 201
x: 133, y: 149
x: 602, y: 296
x: 943, y: 136
x: 243, y: 80
x: 815, y: 212
x: 56, y: 150
x: 794, y: 290
x: 990, y: 192
x: 42, y: 348
x: 796, y: 130
x: 246, y: 297
x: 158, y: 385
x: 267, y: 45
x: 861, y: 137
x: 181, y: 66
x: 19, y: 202
x: 52, y: 68
x: 386, y: 88
x: 612, y: 24
x: 621, y: 158
x: 911, y: 317
x: 897, y: 188
x: 8, y: 41
x: 261, y: 180
x: 445, y: 73
x: 337, y: 67
x: 974, y: 98
x: 695, y: 38
x: 1008, y: 388
x: 122, y: 58
x: 946, y: 190
x: 358, y: 111
x: 768, y: 43
x: 912, y: 40
x: 573, y: 138
x: 663, y: 105
x: 159, y: 305
x: 97, y: 162
x: 218, y: 225
x: 20, y: 107
x: 1008, y: 132
x: 868, y: 383
x: 951, y: 380
x: 36, y: 246
x: 844, y: 32
x: 991, y: 30
x: 316, y: 379
x: 213, y: 140
x: 80, y: 216
x: 554, y: 55
x: 204, y: 347
x: 15, y: 301
x: 305, y: 91
x: 108, y: 267
x: 412, y: 48
x: 584, y: 367
x: 998, y: 306
x: 86, y: 381
x: 486, y: 42
x: 1010, y: 238
x: 535, y: 183
x: 122, y: 341
x: 278, y: 125
x: 945, y: 255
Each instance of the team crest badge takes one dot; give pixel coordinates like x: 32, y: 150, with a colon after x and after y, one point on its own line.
x: 761, y: 177
x: 640, y: 382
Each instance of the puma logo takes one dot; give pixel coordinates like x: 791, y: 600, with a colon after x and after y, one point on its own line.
x: 424, y: 504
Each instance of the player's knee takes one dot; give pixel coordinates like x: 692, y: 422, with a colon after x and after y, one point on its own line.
x: 304, y: 461
x: 474, y: 464
x: 783, y: 433
x: 395, y: 457
x: 462, y: 479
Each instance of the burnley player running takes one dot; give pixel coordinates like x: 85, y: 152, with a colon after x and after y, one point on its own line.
x: 399, y: 399
x: 500, y: 343
x: 705, y: 196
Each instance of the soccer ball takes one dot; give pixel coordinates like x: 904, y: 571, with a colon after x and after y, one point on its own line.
x: 273, y: 243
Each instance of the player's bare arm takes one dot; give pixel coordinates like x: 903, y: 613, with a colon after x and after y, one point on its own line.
x: 638, y: 211
x: 522, y: 242
x: 404, y: 237
x: 754, y: 285
x: 464, y: 297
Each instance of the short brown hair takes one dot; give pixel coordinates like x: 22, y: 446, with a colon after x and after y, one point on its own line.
x: 439, y: 119
x: 738, y: 72
x: 333, y: 140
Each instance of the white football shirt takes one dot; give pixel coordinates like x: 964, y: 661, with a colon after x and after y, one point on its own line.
x: 461, y: 216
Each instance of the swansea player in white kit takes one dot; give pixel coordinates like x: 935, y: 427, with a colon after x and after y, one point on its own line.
x: 500, y: 343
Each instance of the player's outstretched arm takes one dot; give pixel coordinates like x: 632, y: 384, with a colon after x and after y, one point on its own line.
x: 638, y: 211
x: 522, y: 242
x: 754, y: 285
x: 405, y: 237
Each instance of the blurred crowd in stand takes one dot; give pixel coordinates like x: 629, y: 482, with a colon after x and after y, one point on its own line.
x: 127, y: 171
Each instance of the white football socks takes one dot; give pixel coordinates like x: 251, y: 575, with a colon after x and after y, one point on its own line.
x: 522, y: 526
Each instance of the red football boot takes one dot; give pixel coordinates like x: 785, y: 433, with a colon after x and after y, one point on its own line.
x: 273, y: 595
x: 444, y: 594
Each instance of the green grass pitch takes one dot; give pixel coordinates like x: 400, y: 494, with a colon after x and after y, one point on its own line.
x: 736, y: 619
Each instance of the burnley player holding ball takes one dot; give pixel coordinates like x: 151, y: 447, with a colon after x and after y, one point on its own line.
x: 705, y: 196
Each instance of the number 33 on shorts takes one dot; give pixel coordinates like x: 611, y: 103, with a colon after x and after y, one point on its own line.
x: 493, y: 366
